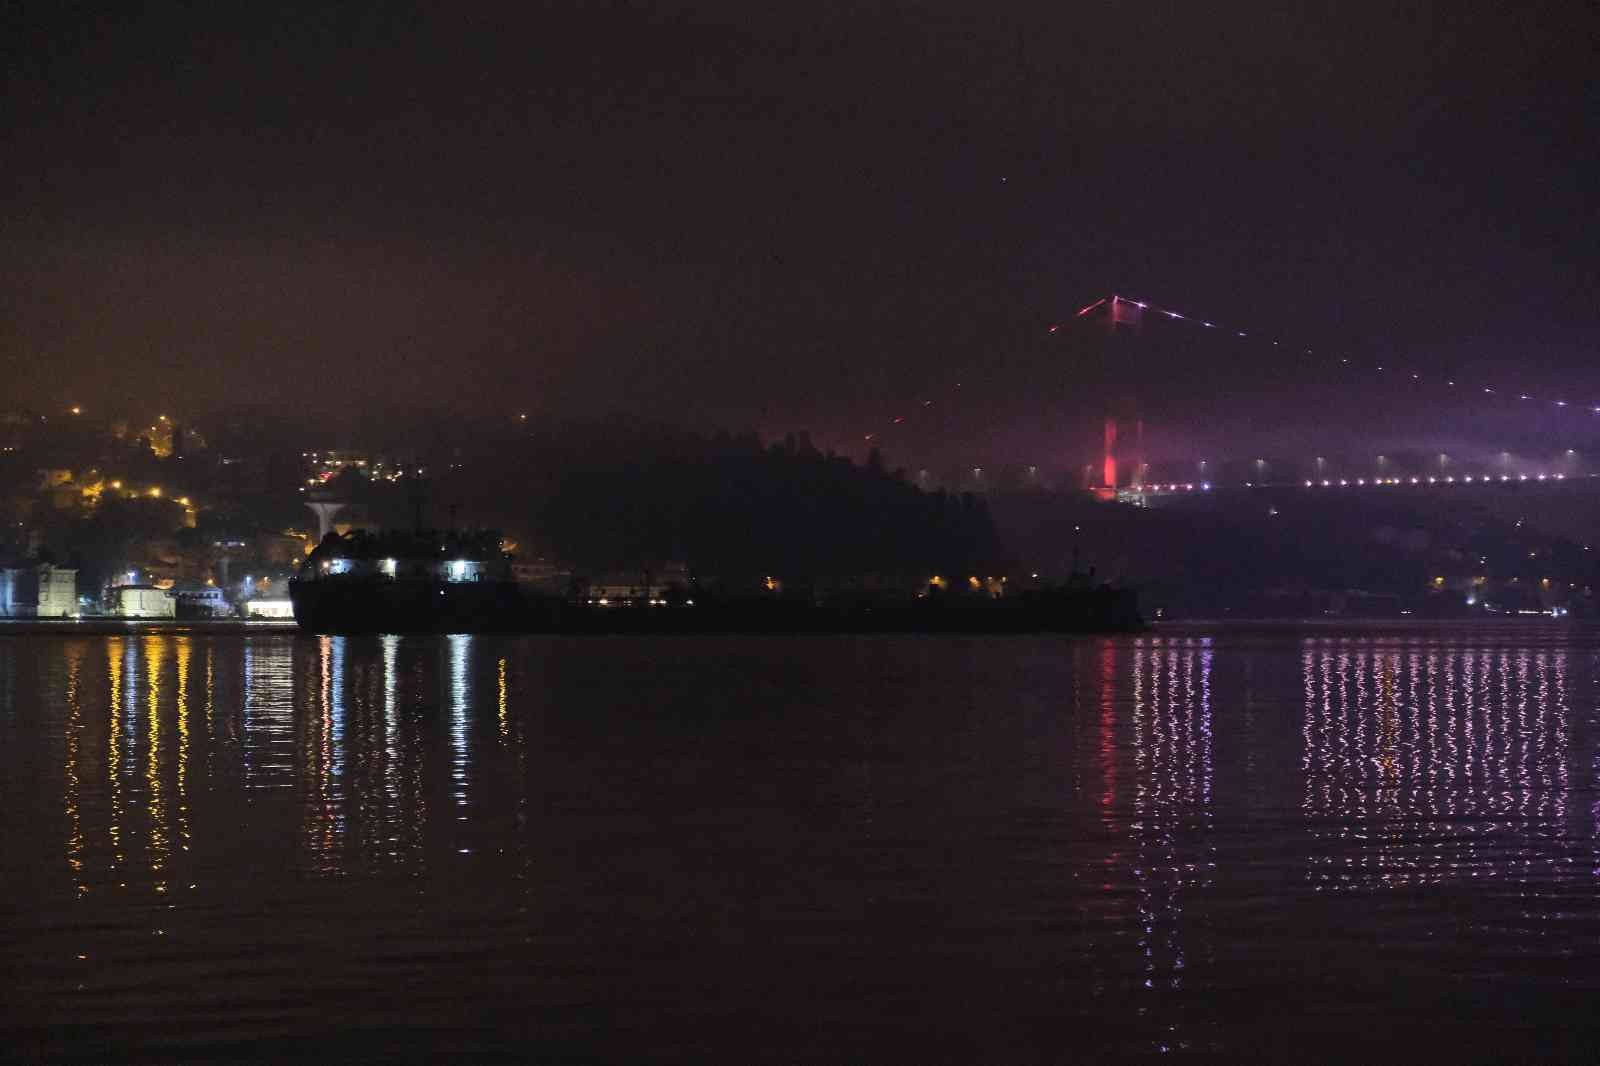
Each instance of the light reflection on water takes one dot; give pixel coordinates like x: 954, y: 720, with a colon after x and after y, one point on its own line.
x: 1196, y: 843
x: 1422, y: 769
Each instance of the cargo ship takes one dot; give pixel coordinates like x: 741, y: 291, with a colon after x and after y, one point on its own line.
x: 407, y: 581
x: 454, y: 582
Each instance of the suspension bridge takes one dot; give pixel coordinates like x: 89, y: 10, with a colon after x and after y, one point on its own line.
x: 1127, y: 467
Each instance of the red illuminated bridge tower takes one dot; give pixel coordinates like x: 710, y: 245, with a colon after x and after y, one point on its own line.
x: 1123, y: 317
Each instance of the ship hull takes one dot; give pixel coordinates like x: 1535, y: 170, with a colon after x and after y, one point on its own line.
x: 405, y: 607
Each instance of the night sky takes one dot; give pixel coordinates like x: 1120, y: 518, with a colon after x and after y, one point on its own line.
x: 819, y: 217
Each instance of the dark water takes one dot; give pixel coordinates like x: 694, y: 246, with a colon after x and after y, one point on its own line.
x: 1221, y: 844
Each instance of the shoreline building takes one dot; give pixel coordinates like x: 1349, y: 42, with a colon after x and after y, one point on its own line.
x: 269, y: 609
x: 201, y: 601
x: 38, y: 591
x: 145, y: 601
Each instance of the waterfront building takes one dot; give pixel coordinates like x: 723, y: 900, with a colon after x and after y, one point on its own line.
x: 269, y: 609
x: 38, y: 591
x: 201, y: 601
x: 144, y: 601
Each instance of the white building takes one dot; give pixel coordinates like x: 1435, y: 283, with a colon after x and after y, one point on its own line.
x: 145, y: 601
x: 269, y: 609
x: 40, y: 591
x: 201, y: 601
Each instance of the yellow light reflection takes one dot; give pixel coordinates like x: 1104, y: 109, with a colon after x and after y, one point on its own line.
x: 114, y: 652
x: 155, y: 652
x: 185, y: 651
x: 505, y: 725
x: 73, y: 787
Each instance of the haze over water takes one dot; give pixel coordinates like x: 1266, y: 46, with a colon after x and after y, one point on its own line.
x: 1216, y: 842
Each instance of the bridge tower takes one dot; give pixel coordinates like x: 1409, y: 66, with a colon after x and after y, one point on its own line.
x: 1110, y: 466
x: 1125, y: 318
